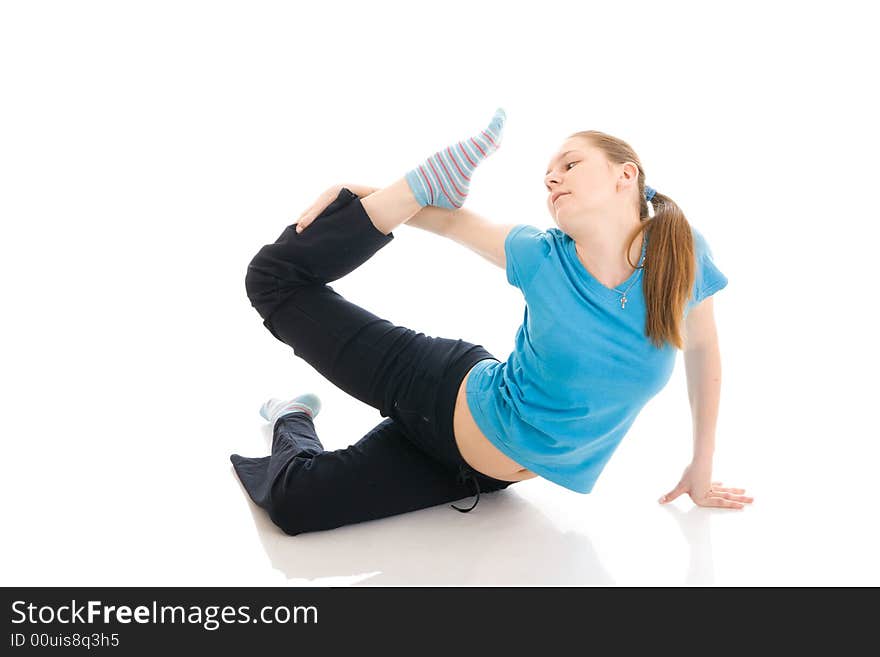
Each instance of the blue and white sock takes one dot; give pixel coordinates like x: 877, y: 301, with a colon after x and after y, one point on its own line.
x: 444, y: 178
x: 273, y: 409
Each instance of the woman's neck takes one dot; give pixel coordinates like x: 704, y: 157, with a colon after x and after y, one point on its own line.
x: 604, y: 255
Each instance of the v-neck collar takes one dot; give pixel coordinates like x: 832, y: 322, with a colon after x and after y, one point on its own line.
x: 607, y: 293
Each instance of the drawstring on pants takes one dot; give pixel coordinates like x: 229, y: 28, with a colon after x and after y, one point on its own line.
x: 465, y: 473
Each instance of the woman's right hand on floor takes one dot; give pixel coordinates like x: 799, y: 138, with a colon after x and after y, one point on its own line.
x: 697, y: 482
x: 325, y: 199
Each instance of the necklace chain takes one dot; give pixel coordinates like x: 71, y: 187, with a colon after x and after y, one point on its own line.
x: 641, y: 260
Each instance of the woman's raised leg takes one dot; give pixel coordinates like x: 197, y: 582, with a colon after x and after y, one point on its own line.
x: 287, y: 283
x: 342, y: 238
x: 391, y: 206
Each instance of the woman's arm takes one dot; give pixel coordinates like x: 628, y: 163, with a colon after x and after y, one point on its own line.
x: 466, y: 227
x: 703, y: 367
x: 462, y: 225
x: 702, y: 361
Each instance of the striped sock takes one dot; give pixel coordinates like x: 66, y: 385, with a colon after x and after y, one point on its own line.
x: 444, y: 178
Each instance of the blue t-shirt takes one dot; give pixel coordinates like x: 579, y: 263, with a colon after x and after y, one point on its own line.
x: 582, y: 368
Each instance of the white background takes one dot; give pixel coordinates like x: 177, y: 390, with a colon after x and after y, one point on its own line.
x: 148, y: 150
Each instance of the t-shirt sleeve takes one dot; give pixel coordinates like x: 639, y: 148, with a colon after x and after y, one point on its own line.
x: 709, y: 278
x: 525, y: 249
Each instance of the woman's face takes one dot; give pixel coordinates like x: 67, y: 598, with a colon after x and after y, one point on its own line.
x: 584, y: 178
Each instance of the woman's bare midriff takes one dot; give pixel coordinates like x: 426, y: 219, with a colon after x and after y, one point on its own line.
x: 476, y: 449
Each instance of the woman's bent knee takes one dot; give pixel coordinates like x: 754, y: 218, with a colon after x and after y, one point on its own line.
x: 272, y: 275
x: 296, y: 516
x: 294, y: 505
x: 262, y: 290
x: 285, y: 516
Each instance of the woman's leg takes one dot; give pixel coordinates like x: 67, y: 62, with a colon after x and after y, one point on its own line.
x: 406, y: 375
x: 340, y: 239
x: 361, y: 353
x: 305, y: 488
x: 391, y: 206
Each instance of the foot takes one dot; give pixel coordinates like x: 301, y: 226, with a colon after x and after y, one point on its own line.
x: 444, y: 178
x: 308, y: 403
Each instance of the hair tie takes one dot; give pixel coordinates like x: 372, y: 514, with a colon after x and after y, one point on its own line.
x: 649, y: 192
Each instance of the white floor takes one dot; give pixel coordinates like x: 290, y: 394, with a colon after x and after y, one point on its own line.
x: 147, y: 156
x: 130, y: 484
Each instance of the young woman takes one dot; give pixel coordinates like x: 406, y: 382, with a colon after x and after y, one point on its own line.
x: 611, y: 295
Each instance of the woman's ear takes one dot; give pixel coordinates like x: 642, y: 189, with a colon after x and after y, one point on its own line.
x: 629, y: 176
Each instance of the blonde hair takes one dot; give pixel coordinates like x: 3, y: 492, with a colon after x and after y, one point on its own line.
x: 670, y: 262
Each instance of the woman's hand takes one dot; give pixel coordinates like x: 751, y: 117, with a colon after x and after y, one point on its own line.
x: 325, y: 199
x: 695, y: 481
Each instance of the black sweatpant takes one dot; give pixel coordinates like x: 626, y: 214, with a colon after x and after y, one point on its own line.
x: 407, y: 462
